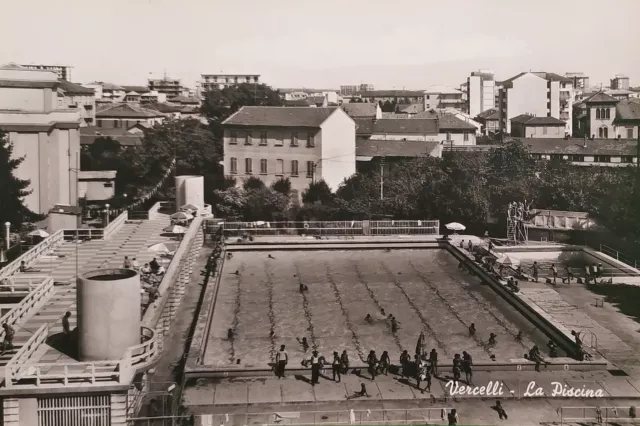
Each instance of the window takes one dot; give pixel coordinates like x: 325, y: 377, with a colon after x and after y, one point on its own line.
x: 279, y: 139
x: 602, y: 159
x: 607, y: 113
x: 605, y: 132
x: 108, y: 185
x: 577, y: 158
x: 263, y: 138
x: 248, y: 166
x: 279, y: 167
x: 556, y: 157
x: 294, y: 139
x: 600, y: 132
x: 598, y: 114
x: 99, y: 123
x: 247, y: 139
x: 263, y: 166
x: 544, y: 130
x: 233, y: 137
x: 310, y: 141
x: 629, y: 132
x: 116, y: 124
x: 294, y: 167
x: 626, y: 159
x: 310, y: 168
x: 233, y: 166
x: 466, y: 137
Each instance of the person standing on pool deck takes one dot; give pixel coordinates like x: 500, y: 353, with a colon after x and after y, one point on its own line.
x: 405, y: 359
x: 335, y: 367
x: 282, y: 358
x: 344, y: 362
x: 372, y: 362
x: 433, y: 359
x: 534, y: 268
x: 554, y: 272
x: 467, y: 364
x: 569, y: 274
x: 315, y: 368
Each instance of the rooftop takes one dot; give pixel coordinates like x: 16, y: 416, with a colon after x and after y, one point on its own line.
x: 400, y: 126
x: 628, y: 109
x: 490, y: 114
x: 74, y: 89
x: 581, y: 147
x: 360, y: 109
x: 123, y: 110
x: 279, y: 116
x: 413, y: 108
x: 451, y: 122
x: 600, y: 97
x: 98, y: 175
x: 391, y: 93
x: 531, y: 120
x: 444, y: 90
x: 108, y: 86
x: 378, y: 148
x: 298, y: 103
x: 184, y: 100
x: 139, y: 89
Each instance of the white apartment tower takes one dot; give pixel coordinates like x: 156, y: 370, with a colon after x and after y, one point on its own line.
x: 481, y: 91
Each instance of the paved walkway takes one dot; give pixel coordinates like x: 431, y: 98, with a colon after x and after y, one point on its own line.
x: 132, y: 240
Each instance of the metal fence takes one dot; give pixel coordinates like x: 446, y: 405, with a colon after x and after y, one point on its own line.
x: 333, y: 228
x: 598, y: 415
x: 428, y: 416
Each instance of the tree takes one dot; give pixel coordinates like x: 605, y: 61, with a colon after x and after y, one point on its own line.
x: 264, y: 204
x: 13, y: 189
x: 388, y: 107
x: 230, y: 202
x: 253, y: 183
x: 318, y: 192
x: 283, y: 186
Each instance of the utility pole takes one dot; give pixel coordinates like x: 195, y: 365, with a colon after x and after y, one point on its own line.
x: 382, y: 161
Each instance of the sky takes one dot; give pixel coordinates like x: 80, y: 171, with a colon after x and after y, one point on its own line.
x: 409, y: 44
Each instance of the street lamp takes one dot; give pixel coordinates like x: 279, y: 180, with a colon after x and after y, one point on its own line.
x: 7, y: 235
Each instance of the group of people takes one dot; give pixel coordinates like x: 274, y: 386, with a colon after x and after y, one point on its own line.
x: 382, y: 316
x: 152, y: 268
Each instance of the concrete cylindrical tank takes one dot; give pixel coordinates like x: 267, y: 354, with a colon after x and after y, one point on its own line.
x: 108, y: 313
x: 190, y: 190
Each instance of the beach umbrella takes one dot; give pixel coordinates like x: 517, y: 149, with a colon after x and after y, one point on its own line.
x: 39, y: 233
x: 507, y: 261
x: 175, y: 229
x: 189, y: 207
x: 163, y: 247
x: 420, y: 344
x: 181, y: 216
x: 455, y: 226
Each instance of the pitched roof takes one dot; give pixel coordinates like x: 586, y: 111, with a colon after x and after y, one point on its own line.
x: 490, y: 114
x: 508, y: 82
x: 401, y: 115
x: 139, y: 89
x: 316, y: 100
x: 530, y: 120
x: 360, y: 109
x: 413, y: 108
x: 397, y: 126
x: 628, y: 109
x: 74, y: 89
x: 279, y: 116
x: 378, y: 148
x: 108, y: 86
x: 577, y: 146
x: 12, y: 66
x: 298, y: 103
x: 445, y: 90
x: 600, y: 97
x: 123, y: 110
x: 184, y: 100
x: 164, y: 107
x: 100, y: 174
x: 551, y: 76
x: 451, y: 122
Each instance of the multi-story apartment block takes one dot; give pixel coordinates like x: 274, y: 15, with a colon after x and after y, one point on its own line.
x: 349, y: 90
x: 365, y: 87
x: 481, y: 90
x: 620, y: 82
x: 220, y: 81
x: 107, y: 92
x: 398, y: 96
x: 579, y: 79
x: 539, y: 94
x: 169, y: 87
x: 46, y: 135
x: 62, y: 71
x: 442, y: 97
x: 75, y: 96
x: 302, y: 144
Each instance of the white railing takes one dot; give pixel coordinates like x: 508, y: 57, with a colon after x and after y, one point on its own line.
x: 21, y: 283
x: 145, y: 352
x: 154, y: 311
x: 328, y: 228
x: 115, y: 225
x: 75, y: 372
x: 23, y: 309
x: 153, y: 211
x: 83, y: 234
x: 44, y: 246
x: 16, y: 366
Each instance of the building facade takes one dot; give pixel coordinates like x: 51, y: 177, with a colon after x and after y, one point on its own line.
x: 528, y: 126
x: 442, y: 97
x: 97, y: 185
x: 107, y: 92
x: 302, y: 144
x: 601, y: 113
x: 75, y: 96
x: 168, y: 86
x: 481, y: 92
x: 123, y: 115
x: 62, y: 71
x: 620, y: 82
x: 220, y: 81
x: 349, y: 90
x: 528, y: 93
x: 45, y: 135
x: 397, y: 96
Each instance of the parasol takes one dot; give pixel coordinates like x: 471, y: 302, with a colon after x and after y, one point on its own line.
x: 175, y: 229
x: 163, y: 247
x: 39, y: 233
x: 455, y: 226
x: 189, y: 207
x: 507, y: 261
x: 181, y: 216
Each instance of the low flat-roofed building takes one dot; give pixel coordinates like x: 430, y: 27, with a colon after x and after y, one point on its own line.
x: 529, y: 126
x: 97, y: 185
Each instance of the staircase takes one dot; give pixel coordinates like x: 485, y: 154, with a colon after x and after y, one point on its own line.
x: 512, y: 231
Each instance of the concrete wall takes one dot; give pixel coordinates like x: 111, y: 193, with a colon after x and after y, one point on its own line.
x: 554, y: 98
x: 190, y: 190
x: 518, y: 129
x: 338, y: 144
x: 108, y: 313
x: 27, y: 145
x: 457, y: 138
x: 527, y: 96
x: 22, y: 98
x: 84, y: 104
x: 475, y: 95
x: 593, y: 123
x: 623, y: 132
x: 95, y: 190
